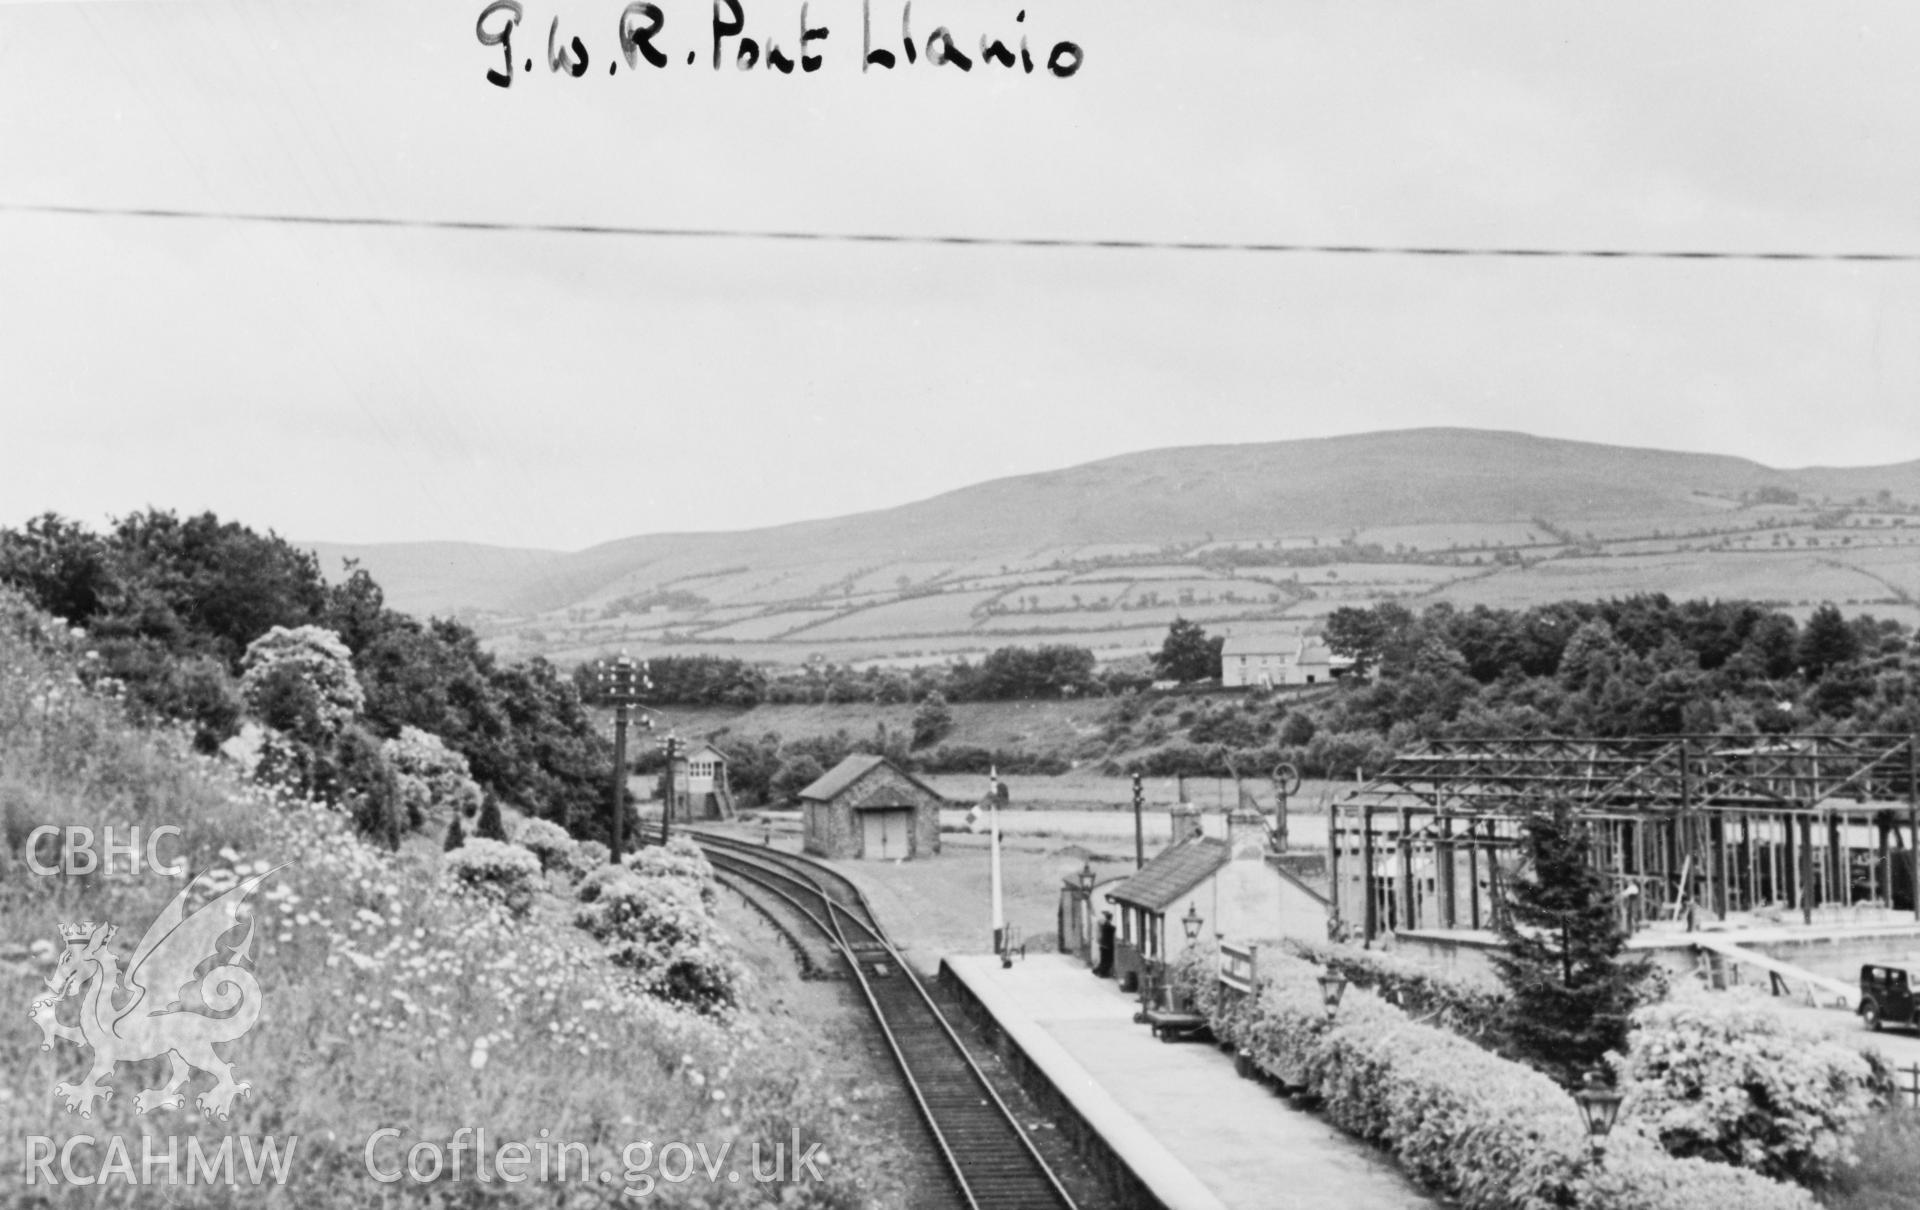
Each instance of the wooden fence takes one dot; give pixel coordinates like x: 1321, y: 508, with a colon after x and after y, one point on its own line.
x: 1910, y: 1085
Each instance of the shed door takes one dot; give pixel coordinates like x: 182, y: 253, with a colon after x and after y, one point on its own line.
x: 886, y: 835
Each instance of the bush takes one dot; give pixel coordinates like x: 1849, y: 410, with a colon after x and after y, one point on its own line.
x: 1468, y: 1006
x: 1488, y: 1133
x: 932, y: 720
x: 548, y: 841
x: 301, y: 681
x: 590, y: 855
x: 1725, y: 1077
x: 434, y: 779
x: 504, y: 873
x: 679, y: 859
x: 658, y: 927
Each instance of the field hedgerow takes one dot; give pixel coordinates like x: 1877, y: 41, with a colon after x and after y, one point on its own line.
x: 389, y: 999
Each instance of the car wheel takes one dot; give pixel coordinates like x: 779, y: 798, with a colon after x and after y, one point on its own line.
x: 1870, y: 1013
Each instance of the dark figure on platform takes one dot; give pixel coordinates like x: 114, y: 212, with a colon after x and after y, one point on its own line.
x: 1105, y: 968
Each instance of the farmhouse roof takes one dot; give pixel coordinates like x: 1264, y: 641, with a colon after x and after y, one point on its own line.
x: 829, y: 784
x: 1175, y: 871
x: 1260, y: 644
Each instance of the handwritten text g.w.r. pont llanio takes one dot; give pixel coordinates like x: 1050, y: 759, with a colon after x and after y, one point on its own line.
x: 641, y: 42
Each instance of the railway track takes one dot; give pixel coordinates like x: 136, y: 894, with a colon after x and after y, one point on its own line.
x: 991, y: 1163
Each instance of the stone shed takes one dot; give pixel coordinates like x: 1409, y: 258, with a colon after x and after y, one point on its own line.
x: 866, y: 807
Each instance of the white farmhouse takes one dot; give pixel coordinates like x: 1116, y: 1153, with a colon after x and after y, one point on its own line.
x: 1262, y: 661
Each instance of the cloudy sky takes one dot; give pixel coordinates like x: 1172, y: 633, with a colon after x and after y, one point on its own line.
x: 559, y: 389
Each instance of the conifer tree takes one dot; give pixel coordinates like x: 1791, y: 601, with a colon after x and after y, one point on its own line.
x: 1571, y: 986
x: 490, y: 825
x: 456, y: 835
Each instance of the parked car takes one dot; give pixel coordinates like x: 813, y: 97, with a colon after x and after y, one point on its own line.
x: 1887, y: 994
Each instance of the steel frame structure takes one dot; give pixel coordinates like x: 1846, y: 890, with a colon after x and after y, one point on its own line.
x: 1679, y: 824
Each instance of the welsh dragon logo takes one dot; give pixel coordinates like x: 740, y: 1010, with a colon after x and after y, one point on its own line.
x: 162, y: 1009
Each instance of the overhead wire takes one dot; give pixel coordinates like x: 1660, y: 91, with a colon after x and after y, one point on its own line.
x: 954, y: 240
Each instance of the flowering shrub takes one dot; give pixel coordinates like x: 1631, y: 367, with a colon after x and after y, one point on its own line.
x: 679, y: 859
x: 1725, y: 1077
x: 658, y: 926
x: 1467, y: 1005
x: 548, y: 841
x: 504, y: 873
x: 1489, y: 1133
x: 1194, y: 977
x: 434, y: 779
x: 588, y: 856
x: 301, y: 681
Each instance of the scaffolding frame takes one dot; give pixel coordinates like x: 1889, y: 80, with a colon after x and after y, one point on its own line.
x: 1679, y: 824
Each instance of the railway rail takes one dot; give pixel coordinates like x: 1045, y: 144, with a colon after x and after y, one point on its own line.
x: 986, y: 1152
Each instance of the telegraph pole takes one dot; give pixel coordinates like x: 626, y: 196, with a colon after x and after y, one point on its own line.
x: 672, y: 743
x: 621, y: 680
x: 1139, y: 829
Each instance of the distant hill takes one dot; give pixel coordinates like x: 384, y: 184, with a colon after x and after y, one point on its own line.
x: 1421, y: 489
x: 442, y: 578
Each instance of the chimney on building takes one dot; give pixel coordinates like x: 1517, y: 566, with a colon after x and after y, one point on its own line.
x: 1246, y: 834
x: 1186, y: 822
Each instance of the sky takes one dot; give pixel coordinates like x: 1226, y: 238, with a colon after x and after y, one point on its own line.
x: 556, y: 390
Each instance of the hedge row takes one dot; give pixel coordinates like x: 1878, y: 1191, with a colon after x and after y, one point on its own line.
x: 1469, y: 1006
x: 1492, y: 1134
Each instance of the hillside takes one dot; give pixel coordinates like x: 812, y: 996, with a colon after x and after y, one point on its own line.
x: 441, y: 577
x: 1269, y: 534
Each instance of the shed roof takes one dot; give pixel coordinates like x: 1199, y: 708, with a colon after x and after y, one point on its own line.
x: 1175, y: 871
x: 695, y: 752
x: 829, y: 784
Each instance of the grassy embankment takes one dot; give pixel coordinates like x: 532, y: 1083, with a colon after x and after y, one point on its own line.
x: 387, y: 999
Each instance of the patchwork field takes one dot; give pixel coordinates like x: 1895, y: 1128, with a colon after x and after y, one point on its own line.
x: 1107, y: 554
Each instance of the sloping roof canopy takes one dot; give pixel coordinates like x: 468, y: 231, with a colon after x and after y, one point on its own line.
x: 852, y: 769
x: 1175, y: 871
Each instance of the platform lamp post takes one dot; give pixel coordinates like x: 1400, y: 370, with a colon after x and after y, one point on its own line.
x: 1085, y: 879
x: 1191, y: 922
x: 1599, y: 1108
x: 621, y: 682
x: 1332, y: 987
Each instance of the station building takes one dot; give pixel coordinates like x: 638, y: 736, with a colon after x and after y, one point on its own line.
x: 867, y: 807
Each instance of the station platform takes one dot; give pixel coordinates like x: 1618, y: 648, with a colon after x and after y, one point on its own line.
x: 1194, y: 1134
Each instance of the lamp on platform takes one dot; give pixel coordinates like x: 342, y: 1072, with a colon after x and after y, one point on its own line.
x: 1086, y: 877
x: 1599, y: 1108
x: 1332, y: 987
x: 1191, y: 922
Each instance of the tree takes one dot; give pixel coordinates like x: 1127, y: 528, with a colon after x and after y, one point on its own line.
x: 433, y: 779
x: 1570, y: 989
x: 796, y: 773
x: 932, y: 720
x: 1356, y: 634
x: 361, y: 779
x: 1187, y: 654
x: 1590, y: 656
x: 1826, y: 641
x: 490, y: 826
x: 301, y: 682
x: 61, y: 565
x: 456, y: 835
